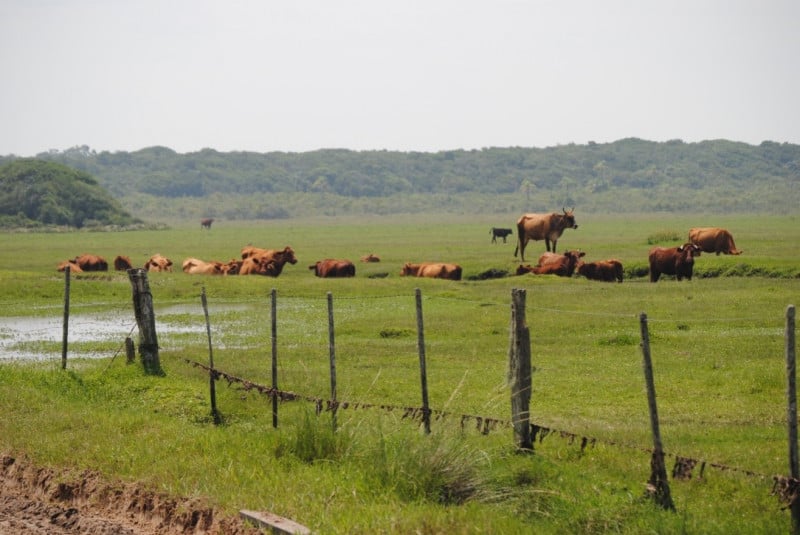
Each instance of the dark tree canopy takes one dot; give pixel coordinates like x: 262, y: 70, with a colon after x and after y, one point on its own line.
x: 627, y: 175
x: 36, y: 192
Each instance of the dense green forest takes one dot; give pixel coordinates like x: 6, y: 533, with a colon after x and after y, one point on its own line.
x: 630, y: 175
x: 35, y: 193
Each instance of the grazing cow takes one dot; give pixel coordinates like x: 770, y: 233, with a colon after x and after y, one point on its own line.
x: 370, y: 258
x: 435, y: 270
x: 73, y: 267
x: 500, y: 233
x: 158, y: 263
x: 206, y: 223
x: 333, y: 268
x: 678, y: 261
x: 91, y: 262
x: 603, y: 270
x: 193, y: 266
x: 562, y: 265
x: 713, y: 240
x: 547, y: 227
x: 270, y: 262
x: 122, y: 263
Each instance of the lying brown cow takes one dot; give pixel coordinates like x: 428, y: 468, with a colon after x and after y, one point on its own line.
x: 333, y: 268
x: 91, y: 262
x: 562, y: 265
x: 370, y: 258
x: 73, y: 267
x: 158, y: 263
x: 604, y: 270
x: 713, y: 240
x: 435, y: 270
x: 270, y: 262
x: 122, y: 263
x: 194, y: 266
x: 547, y: 227
x: 678, y: 261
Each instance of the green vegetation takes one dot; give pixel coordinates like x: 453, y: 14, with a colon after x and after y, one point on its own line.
x: 36, y: 193
x: 717, y: 346
x: 630, y: 175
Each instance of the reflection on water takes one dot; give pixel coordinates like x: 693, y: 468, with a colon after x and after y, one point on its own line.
x: 18, y: 335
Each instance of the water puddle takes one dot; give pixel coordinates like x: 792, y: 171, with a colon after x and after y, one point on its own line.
x: 40, y: 338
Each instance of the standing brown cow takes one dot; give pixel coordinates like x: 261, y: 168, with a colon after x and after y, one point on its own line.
x: 678, y: 261
x: 206, y: 223
x: 713, y: 240
x: 547, y: 227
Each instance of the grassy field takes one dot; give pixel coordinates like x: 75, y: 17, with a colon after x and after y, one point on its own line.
x: 717, y: 347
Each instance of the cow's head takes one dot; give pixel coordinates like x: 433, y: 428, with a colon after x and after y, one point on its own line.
x: 287, y: 255
x: 568, y: 219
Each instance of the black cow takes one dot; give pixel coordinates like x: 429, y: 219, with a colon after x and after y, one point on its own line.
x: 500, y: 233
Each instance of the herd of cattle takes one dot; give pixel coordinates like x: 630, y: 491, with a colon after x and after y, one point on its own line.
x: 677, y: 261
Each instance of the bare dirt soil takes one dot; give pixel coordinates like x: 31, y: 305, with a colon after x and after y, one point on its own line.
x: 43, y: 501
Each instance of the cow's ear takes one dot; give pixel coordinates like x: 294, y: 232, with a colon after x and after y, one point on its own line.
x: 581, y: 253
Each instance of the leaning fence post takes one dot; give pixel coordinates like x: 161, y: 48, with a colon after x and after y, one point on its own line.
x: 65, y: 334
x: 519, y: 371
x: 423, y: 373
x: 658, y: 485
x: 274, y: 337
x: 146, y: 320
x: 791, y: 394
x: 211, y: 372
x: 332, y: 353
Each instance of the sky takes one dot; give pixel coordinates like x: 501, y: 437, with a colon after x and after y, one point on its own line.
x: 400, y: 75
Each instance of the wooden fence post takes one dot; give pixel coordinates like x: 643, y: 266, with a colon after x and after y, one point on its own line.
x: 519, y: 371
x: 274, y: 337
x: 791, y: 394
x: 146, y: 320
x: 332, y: 353
x: 658, y: 485
x: 423, y: 372
x: 65, y: 333
x: 211, y: 371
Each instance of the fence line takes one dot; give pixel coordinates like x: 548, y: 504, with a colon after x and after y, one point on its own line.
x: 683, y: 468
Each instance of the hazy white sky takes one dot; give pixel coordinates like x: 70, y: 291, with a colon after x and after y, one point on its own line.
x: 299, y: 75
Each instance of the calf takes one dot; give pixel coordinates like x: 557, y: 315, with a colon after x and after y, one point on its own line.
x: 678, y: 261
x: 500, y: 233
x: 604, y: 270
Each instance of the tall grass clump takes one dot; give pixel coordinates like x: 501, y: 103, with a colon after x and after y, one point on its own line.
x: 314, y: 439
x: 434, y: 468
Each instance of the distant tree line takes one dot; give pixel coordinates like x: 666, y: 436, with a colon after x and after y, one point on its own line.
x: 627, y: 175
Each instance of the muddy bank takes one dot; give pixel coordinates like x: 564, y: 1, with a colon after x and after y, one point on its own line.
x: 44, y: 501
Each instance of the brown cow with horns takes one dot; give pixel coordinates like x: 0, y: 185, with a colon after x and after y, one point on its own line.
x: 547, y: 227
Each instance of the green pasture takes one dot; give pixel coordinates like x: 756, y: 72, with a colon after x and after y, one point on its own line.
x: 717, y: 344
